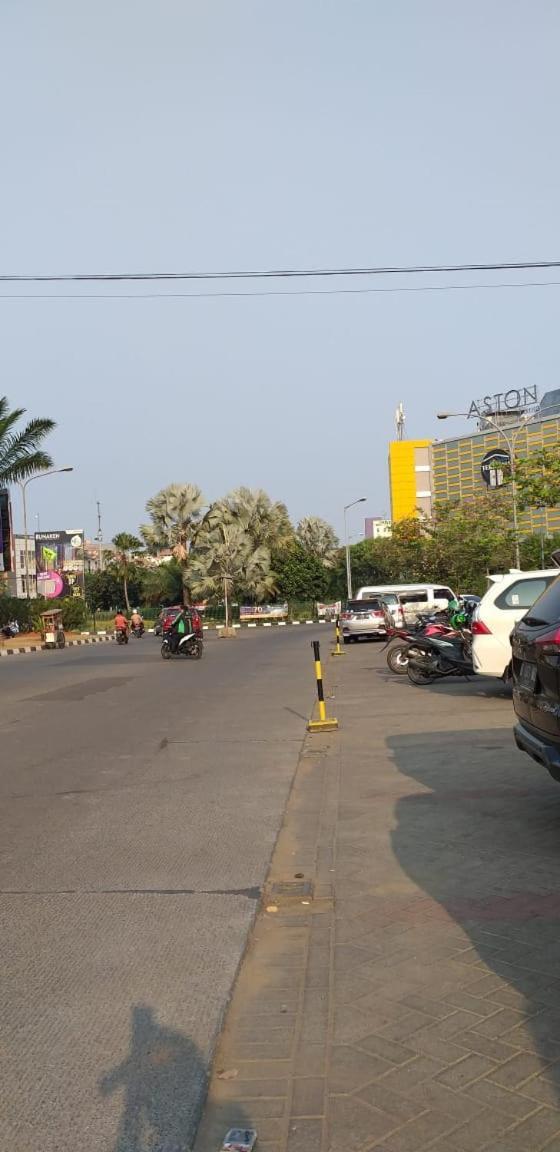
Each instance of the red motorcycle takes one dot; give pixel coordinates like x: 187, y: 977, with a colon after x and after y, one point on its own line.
x: 399, y: 654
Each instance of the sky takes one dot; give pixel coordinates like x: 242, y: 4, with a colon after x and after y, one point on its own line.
x: 227, y: 135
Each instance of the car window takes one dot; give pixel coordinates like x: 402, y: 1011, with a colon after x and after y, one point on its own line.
x: 363, y: 605
x: 414, y: 598
x: 443, y: 594
x: 546, y: 609
x: 523, y: 593
x: 389, y: 598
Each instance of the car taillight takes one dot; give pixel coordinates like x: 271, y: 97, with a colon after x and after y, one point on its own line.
x: 479, y: 628
x: 549, y: 640
x: 377, y: 614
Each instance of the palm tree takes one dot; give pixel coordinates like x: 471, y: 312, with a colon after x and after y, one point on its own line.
x: 225, y: 560
x: 318, y: 538
x: 264, y: 520
x: 176, y: 517
x: 126, y: 548
x: 20, y: 452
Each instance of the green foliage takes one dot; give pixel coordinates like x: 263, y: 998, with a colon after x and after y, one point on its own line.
x: 300, y: 575
x: 537, y: 478
x: 74, y: 612
x: 21, y: 454
x: 470, y: 539
x: 318, y: 538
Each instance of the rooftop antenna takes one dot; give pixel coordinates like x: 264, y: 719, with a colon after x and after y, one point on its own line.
x: 400, y: 420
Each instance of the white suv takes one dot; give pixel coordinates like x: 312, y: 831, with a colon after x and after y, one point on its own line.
x: 507, y: 600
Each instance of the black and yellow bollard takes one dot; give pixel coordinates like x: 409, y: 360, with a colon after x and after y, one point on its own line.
x: 337, y: 650
x: 324, y: 723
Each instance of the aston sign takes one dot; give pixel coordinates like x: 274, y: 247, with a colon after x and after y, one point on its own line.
x: 517, y: 399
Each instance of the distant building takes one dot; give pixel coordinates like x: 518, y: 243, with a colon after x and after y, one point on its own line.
x: 376, y: 528
x: 410, y: 479
x: 16, y: 578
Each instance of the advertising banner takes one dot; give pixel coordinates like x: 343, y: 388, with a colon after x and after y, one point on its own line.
x: 329, y: 611
x: 263, y: 612
x: 59, y: 557
x: 5, y: 532
x: 493, y: 467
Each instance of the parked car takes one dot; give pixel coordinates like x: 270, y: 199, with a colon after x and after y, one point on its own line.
x: 405, y: 601
x: 536, y: 680
x: 507, y: 600
x: 363, y: 618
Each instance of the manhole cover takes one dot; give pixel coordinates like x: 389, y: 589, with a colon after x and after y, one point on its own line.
x: 291, y: 888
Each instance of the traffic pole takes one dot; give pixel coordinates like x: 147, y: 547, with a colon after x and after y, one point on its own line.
x: 337, y: 651
x: 324, y: 723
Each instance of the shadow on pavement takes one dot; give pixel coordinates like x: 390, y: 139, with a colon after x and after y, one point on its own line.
x: 484, y: 844
x: 163, y: 1081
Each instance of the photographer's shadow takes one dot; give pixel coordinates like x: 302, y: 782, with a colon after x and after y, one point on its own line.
x: 164, y: 1080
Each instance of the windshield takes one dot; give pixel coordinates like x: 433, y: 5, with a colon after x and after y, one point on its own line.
x: 364, y: 605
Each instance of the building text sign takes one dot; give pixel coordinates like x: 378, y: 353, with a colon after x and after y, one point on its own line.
x: 516, y: 398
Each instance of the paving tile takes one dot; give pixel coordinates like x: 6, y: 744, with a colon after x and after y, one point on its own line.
x: 418, y: 1134
x: 500, y: 1099
x: 494, y: 1049
x: 478, y: 1132
x: 305, y: 1136
x: 400, y: 1108
x: 351, y: 1069
x: 310, y: 1060
x: 432, y: 1094
x: 408, y: 1075
x: 469, y: 1069
x: 516, y: 1070
x: 495, y: 1026
x: 353, y: 1125
x: 389, y: 1049
x: 531, y: 1133
x: 405, y: 1026
x: 308, y: 1096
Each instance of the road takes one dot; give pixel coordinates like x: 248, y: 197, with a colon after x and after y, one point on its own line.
x: 140, y: 804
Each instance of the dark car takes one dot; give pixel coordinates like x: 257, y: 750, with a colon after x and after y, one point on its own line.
x: 536, y: 680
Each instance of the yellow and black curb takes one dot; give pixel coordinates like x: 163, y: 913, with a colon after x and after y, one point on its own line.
x: 324, y: 723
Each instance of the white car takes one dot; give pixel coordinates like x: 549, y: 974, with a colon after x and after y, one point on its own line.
x: 507, y: 600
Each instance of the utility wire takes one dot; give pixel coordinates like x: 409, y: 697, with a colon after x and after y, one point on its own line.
x: 277, y: 273
x: 274, y: 292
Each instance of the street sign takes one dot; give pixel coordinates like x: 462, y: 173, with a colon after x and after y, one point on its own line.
x: 493, y: 465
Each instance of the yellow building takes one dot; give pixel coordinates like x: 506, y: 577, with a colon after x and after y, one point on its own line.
x: 410, y: 478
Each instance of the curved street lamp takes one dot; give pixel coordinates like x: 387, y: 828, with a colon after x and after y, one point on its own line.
x: 360, y: 500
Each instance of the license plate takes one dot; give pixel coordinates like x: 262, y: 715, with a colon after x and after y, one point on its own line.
x: 528, y: 675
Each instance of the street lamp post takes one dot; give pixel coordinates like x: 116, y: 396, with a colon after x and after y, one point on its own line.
x: 360, y: 500
x: 23, y: 485
x: 511, y: 443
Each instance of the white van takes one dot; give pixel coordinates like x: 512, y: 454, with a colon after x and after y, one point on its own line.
x: 409, y: 599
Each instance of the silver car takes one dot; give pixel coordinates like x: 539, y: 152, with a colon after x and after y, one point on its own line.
x: 363, y: 618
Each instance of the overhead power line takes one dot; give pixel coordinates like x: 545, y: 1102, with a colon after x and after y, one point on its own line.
x: 260, y: 292
x: 275, y: 273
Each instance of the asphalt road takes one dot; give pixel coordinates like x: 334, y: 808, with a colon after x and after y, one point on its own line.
x: 139, y: 806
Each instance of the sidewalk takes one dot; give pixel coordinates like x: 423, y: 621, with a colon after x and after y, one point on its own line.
x: 404, y: 993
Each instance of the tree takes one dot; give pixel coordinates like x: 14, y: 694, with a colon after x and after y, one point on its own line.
x: 226, y: 561
x: 21, y: 454
x: 318, y: 538
x: 264, y: 520
x: 176, y: 518
x: 127, y: 548
x: 537, y: 479
x: 470, y: 539
x: 299, y: 573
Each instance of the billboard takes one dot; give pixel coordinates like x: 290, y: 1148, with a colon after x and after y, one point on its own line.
x: 263, y: 612
x: 59, y: 557
x: 5, y: 532
x: 493, y: 467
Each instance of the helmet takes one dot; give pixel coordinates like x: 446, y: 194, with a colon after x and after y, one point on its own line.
x: 453, y: 605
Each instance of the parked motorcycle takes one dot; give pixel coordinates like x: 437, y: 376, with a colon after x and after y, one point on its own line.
x: 189, y: 646
x: 439, y: 656
x: 399, y: 653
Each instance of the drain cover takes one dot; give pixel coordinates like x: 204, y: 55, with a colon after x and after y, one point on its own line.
x: 291, y: 888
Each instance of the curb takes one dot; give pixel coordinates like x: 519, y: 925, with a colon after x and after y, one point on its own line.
x: 265, y: 624
x: 43, y: 647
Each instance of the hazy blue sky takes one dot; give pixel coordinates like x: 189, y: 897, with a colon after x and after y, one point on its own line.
x: 236, y: 134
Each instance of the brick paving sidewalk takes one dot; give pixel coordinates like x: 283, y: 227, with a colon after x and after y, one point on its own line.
x: 405, y: 995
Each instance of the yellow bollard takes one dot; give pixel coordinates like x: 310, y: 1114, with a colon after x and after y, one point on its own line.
x: 324, y: 723
x: 338, y: 650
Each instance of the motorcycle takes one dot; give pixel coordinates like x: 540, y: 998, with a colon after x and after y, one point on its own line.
x: 137, y: 630
x: 121, y: 636
x: 439, y: 656
x: 189, y: 646
x: 399, y: 654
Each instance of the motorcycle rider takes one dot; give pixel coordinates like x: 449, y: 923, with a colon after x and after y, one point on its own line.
x: 181, y: 625
x: 120, y: 622
x: 136, y: 620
